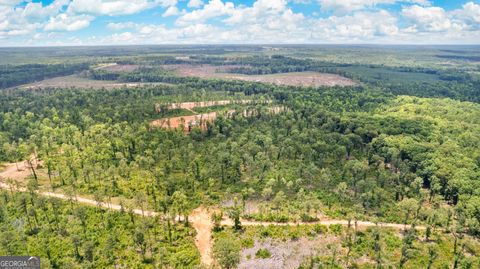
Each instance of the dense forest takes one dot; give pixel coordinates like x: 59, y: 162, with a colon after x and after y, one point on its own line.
x: 391, y: 150
x: 14, y: 75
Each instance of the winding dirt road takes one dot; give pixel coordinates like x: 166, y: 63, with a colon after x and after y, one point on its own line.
x: 200, y: 217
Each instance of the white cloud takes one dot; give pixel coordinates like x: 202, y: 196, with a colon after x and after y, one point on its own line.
x: 166, y: 3
x: 351, y: 5
x: 261, y: 9
x: 10, y: 2
x: 469, y: 14
x: 171, y: 11
x: 36, y: 11
x: 195, y: 3
x: 123, y: 38
x: 361, y: 26
x: 263, y: 21
x: 112, y: 7
x: 27, y: 19
x: 429, y: 19
x: 214, y: 8
x: 64, y: 22
x: 121, y: 25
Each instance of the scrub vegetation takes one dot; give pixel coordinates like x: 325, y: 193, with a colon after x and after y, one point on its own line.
x: 277, y: 167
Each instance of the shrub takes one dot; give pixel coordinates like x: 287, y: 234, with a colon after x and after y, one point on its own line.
x: 247, y: 242
x: 263, y: 253
x: 320, y: 229
x: 308, y: 218
x: 336, y: 229
x: 294, y: 234
x: 227, y: 251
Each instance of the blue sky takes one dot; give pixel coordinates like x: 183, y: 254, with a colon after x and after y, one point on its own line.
x: 107, y: 22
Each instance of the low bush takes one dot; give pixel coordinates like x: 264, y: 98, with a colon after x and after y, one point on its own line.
x: 263, y: 253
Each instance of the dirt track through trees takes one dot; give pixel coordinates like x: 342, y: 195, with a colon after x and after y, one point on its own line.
x: 200, y: 217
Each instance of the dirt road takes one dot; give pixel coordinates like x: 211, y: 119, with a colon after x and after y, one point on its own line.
x: 203, y: 225
x: 201, y: 221
x: 200, y: 217
x: 327, y: 222
x: 16, y: 171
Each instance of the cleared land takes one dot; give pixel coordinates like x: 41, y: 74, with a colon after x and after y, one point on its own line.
x: 286, y: 255
x: 75, y: 81
x: 201, y: 120
x: 118, y: 68
x: 307, y: 79
x: 192, y: 105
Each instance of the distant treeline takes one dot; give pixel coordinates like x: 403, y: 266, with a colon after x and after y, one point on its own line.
x: 458, y: 57
x: 14, y: 75
x: 416, y: 81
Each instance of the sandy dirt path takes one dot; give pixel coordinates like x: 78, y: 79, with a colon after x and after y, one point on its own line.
x: 16, y: 171
x: 200, y: 217
x: 327, y: 222
x: 80, y: 200
x: 203, y: 225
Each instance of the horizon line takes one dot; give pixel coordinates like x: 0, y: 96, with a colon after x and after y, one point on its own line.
x: 241, y: 44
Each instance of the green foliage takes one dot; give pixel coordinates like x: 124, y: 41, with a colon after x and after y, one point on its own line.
x: 262, y: 253
x: 74, y: 236
x: 367, y: 152
x: 227, y: 251
x: 336, y: 229
x: 14, y: 75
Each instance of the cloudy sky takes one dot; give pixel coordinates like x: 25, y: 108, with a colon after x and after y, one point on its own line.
x: 104, y: 22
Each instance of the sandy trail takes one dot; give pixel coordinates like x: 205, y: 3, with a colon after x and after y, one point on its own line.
x: 326, y: 222
x: 200, y: 217
x: 203, y: 225
x: 17, y: 171
x: 80, y: 200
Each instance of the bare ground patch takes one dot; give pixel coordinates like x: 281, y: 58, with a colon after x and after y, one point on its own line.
x: 307, y: 79
x: 119, y: 68
x: 287, y: 255
x: 202, y: 120
x: 76, y: 81
x: 192, y: 105
x: 199, y: 120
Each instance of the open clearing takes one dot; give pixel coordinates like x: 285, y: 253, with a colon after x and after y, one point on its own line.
x: 76, y: 81
x: 118, y: 68
x: 192, y: 105
x: 288, y: 254
x: 201, y: 120
x: 187, y: 122
x: 307, y: 79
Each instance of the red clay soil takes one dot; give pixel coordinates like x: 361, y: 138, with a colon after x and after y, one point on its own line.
x: 188, y: 122
x: 192, y: 105
x: 203, y: 225
x: 201, y: 120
